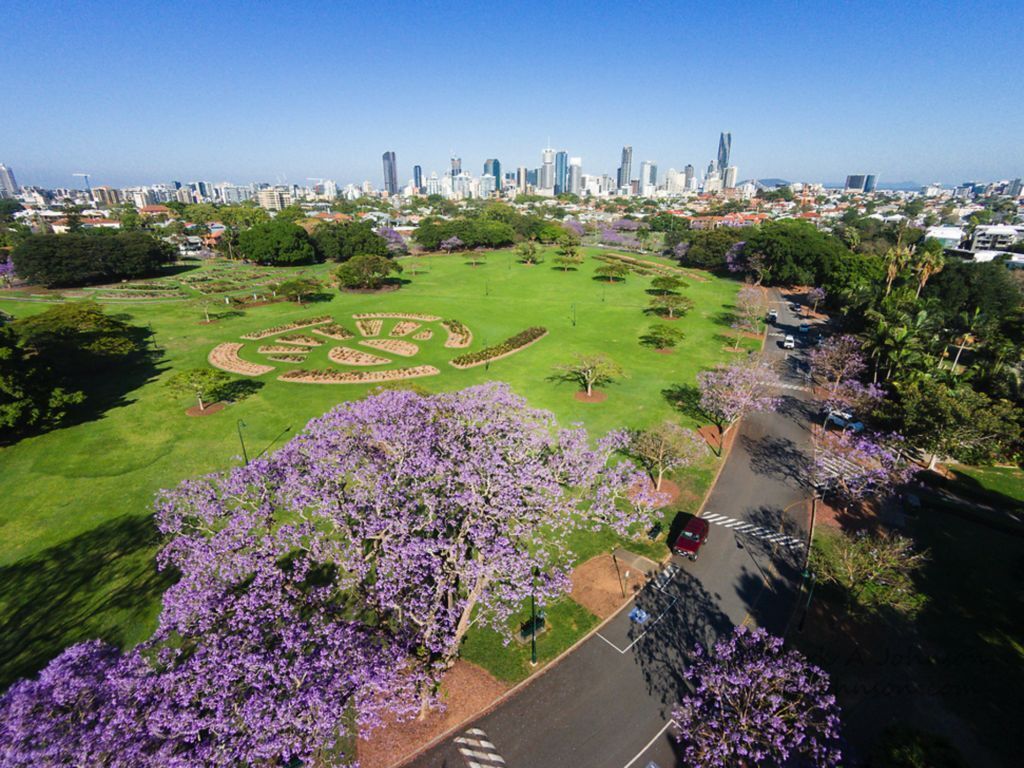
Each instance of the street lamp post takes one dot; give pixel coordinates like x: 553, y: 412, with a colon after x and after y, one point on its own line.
x: 574, y: 315
x: 245, y: 456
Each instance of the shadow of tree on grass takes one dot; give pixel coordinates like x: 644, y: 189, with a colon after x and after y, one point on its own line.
x: 100, y: 584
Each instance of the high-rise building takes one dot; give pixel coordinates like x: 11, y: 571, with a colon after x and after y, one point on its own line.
x: 724, y: 150
x: 870, y: 181
x: 390, y: 174
x: 434, y: 184
x: 521, y: 178
x: 106, y: 197
x: 488, y: 184
x: 417, y: 178
x: 690, y: 177
x: 648, y: 177
x: 626, y: 167
x: 532, y: 176
x: 731, y: 172
x: 855, y: 182
x: 547, y: 169
x: 575, y: 180
x: 1013, y: 190
x: 492, y: 167
x: 456, y: 166
x: 561, y: 171
x: 8, y: 186
x: 273, y: 199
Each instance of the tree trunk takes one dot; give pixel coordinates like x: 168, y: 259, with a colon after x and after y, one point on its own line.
x: 590, y: 386
x: 200, y: 399
x: 661, y: 474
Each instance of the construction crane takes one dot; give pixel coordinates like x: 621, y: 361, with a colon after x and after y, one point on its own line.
x: 86, y: 176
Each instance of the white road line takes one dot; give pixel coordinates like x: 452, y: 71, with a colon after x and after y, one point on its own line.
x: 749, y: 529
x: 647, y: 628
x: 647, y: 746
x: 472, y: 753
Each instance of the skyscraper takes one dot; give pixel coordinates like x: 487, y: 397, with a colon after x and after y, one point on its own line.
x: 547, y: 169
x: 724, y: 150
x: 561, y: 172
x: 390, y: 174
x: 575, y: 181
x: 8, y: 186
x: 731, y: 173
x: 690, y: 176
x: 417, y: 178
x: 855, y: 182
x: 492, y: 167
x: 456, y: 166
x: 648, y: 177
x: 870, y: 180
x: 626, y: 168
x: 521, y: 178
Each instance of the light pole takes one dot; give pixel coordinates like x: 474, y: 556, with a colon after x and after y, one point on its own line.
x: 808, y: 575
x: 574, y: 315
x: 241, y: 439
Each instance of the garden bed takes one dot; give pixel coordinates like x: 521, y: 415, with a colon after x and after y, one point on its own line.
x: 510, y: 346
x: 257, y: 335
x: 396, y: 316
x: 349, y: 356
x: 225, y: 357
x: 425, y: 335
x: 394, y: 346
x: 369, y: 327
x: 281, y: 349
x: 459, y: 336
x: 301, y: 339
x: 334, y: 331
x: 357, y: 377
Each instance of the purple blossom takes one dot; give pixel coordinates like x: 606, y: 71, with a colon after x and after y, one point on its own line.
x: 680, y: 249
x: 837, y: 359
x: 736, y: 259
x: 625, y: 225
x: 754, y: 703
x: 816, y: 296
x: 395, y: 242
x: 453, y: 243
x: 6, y: 271
x: 852, y: 467
x: 612, y: 237
x: 730, y: 392
x: 854, y: 396
x: 574, y: 226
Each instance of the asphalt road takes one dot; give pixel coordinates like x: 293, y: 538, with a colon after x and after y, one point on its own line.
x: 608, y: 704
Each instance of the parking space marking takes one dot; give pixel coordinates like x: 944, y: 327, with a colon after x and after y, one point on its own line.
x: 748, y: 528
x: 647, y: 629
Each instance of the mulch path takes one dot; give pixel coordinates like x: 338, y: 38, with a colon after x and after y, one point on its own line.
x: 207, y: 411
x: 664, y: 351
x: 596, y: 585
x: 594, y: 397
x: 466, y: 689
x: 669, y: 490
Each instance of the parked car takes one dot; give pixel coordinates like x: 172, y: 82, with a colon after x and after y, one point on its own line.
x: 794, y: 307
x: 789, y: 342
x: 692, y: 538
x: 845, y: 420
x: 805, y: 328
x: 773, y: 316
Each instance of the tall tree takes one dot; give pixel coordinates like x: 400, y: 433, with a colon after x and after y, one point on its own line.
x: 590, y: 371
x: 730, y: 392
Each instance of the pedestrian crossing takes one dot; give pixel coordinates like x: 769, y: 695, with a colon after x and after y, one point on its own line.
x: 478, y: 751
x: 794, y: 387
x: 757, y: 531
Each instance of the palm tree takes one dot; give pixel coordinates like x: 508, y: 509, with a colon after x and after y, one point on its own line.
x: 926, y: 264
x: 896, y: 260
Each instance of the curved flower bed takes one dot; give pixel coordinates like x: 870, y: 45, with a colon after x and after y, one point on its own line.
x: 357, y: 377
x: 509, y: 346
x: 301, y: 339
x: 288, y: 358
x: 404, y: 328
x: 334, y: 331
x: 425, y: 335
x: 348, y: 356
x: 225, y: 356
x: 257, y: 335
x: 459, y: 336
x: 394, y: 346
x: 369, y: 327
x: 396, y: 316
x: 281, y: 349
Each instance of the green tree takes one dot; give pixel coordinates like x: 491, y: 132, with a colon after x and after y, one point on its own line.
x: 671, y: 304
x: 30, y: 396
x: 793, y: 252
x: 299, y: 288
x: 277, y: 243
x: 662, y: 336
x: 612, y: 272
x: 83, y: 259
x: 366, y: 271
x: 590, y: 371
x: 204, y: 384
x: 292, y: 213
x: 342, y: 241
x: 527, y: 252
x: 667, y: 284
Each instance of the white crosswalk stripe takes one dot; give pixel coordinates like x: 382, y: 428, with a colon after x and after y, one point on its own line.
x: 750, y: 529
x: 478, y: 751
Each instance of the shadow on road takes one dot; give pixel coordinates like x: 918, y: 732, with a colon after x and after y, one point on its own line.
x: 778, y: 458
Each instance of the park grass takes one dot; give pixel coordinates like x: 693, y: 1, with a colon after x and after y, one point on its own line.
x: 1004, y: 481
x: 62, y: 490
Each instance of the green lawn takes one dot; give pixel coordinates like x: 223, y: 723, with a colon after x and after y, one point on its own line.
x: 1006, y: 481
x: 76, y: 552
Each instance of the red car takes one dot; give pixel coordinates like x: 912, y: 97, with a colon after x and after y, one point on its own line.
x: 692, y: 538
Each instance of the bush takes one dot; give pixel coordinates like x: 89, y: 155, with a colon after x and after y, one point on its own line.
x: 86, y: 259
x: 366, y: 271
x: 277, y: 243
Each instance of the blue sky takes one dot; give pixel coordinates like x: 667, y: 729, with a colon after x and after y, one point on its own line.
x: 149, y: 91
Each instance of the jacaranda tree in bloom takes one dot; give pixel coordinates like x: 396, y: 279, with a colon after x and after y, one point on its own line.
x: 851, y: 467
x: 423, y: 513
x: 754, y: 704
x: 732, y: 391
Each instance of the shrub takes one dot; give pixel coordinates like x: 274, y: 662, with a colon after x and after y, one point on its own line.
x: 507, y: 347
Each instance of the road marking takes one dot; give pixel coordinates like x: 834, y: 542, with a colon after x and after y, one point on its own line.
x: 647, y: 746
x: 478, y: 751
x: 647, y: 628
x: 750, y: 529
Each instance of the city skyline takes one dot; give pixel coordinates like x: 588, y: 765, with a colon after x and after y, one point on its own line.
x: 244, y: 100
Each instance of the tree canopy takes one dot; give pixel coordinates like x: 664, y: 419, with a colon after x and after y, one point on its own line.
x: 277, y: 243
x: 85, y: 259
